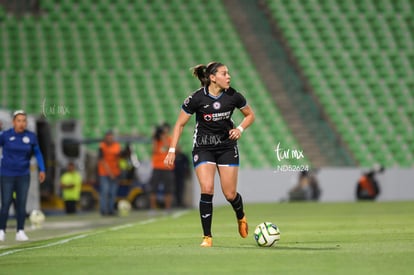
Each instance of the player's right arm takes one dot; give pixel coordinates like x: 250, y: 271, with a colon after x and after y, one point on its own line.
x: 182, y: 120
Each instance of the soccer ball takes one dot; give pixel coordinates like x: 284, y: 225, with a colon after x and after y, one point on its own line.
x: 266, y: 234
x: 37, y: 218
x: 124, y: 207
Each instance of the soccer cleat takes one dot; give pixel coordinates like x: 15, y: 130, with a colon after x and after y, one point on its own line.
x: 21, y: 236
x: 207, y: 241
x: 2, y: 236
x: 243, y: 227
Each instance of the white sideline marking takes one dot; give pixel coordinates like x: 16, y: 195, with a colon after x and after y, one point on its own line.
x: 45, y: 245
x: 149, y: 221
x: 179, y: 214
x: 115, y: 228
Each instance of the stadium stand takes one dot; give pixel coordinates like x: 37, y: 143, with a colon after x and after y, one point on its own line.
x: 125, y: 65
x: 106, y: 62
x: 357, y: 57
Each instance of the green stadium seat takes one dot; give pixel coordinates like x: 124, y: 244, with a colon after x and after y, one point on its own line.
x: 108, y: 61
x: 377, y: 66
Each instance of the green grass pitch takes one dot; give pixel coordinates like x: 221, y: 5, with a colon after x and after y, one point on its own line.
x: 316, y: 238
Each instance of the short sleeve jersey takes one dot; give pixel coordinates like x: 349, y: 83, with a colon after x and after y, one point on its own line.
x: 213, y: 117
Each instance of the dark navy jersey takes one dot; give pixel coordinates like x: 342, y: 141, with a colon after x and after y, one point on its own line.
x: 213, y: 117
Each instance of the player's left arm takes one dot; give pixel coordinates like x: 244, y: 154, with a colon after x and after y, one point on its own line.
x: 182, y: 120
x: 248, y: 119
x: 40, y: 163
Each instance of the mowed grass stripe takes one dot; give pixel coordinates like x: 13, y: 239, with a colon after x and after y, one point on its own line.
x: 316, y: 238
x: 80, y: 236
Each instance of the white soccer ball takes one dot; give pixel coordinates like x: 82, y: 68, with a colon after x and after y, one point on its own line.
x: 266, y: 234
x: 37, y: 218
x: 124, y: 207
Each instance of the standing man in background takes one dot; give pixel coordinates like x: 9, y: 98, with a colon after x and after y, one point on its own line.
x: 19, y: 145
x: 109, y: 172
x: 161, y: 175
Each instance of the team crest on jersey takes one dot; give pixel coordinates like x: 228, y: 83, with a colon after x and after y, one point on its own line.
x: 207, y: 117
x: 26, y: 139
x: 195, y: 158
x: 216, y: 105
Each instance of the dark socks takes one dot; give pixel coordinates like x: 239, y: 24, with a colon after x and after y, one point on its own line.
x: 237, y: 205
x: 206, y: 213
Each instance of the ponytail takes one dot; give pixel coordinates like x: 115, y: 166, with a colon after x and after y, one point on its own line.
x: 199, y: 71
x: 203, y: 72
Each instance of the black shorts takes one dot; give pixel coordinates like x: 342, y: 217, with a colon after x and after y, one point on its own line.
x: 221, y: 157
x: 164, y: 177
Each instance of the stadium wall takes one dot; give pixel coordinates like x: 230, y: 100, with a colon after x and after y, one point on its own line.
x: 337, y: 184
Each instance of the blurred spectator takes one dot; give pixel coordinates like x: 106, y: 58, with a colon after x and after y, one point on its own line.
x: 306, y: 189
x: 367, y: 185
x: 109, y: 172
x: 161, y: 174
x: 127, y: 169
x: 181, y: 173
x: 71, y: 183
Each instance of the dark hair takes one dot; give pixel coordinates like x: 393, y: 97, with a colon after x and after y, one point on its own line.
x: 166, y: 126
x: 159, y: 130
x: 203, y: 72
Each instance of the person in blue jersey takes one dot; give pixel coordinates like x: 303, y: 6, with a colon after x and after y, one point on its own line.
x: 18, y: 146
x: 215, y: 141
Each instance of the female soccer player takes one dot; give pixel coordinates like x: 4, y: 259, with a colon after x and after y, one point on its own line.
x: 215, y: 141
x: 18, y: 146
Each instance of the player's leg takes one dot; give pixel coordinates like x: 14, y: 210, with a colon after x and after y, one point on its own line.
x: 205, y: 169
x: 7, y: 188
x: 113, y: 190
x: 228, y: 180
x: 228, y: 167
x: 103, y: 194
x: 22, y: 190
x: 205, y: 174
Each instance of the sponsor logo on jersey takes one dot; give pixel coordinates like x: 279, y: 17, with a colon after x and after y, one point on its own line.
x: 207, y: 117
x: 217, y: 116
